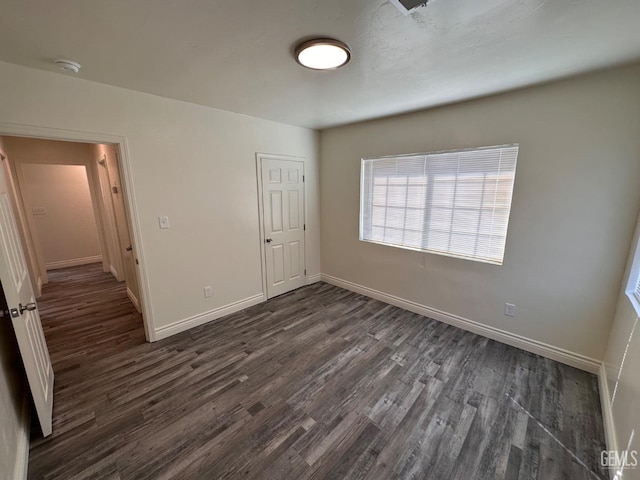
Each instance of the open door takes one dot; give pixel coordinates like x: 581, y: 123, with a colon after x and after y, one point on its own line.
x: 18, y: 292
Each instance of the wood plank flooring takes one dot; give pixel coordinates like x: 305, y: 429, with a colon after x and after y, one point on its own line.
x: 317, y: 383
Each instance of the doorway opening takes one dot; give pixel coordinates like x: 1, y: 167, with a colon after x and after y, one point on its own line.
x: 67, y: 240
x: 70, y: 200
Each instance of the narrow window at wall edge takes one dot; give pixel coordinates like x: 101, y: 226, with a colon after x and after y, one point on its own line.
x: 633, y: 283
x: 455, y: 203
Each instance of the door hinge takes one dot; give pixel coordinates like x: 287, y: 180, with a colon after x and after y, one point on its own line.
x: 304, y: 227
x: 303, y: 178
x: 305, y: 271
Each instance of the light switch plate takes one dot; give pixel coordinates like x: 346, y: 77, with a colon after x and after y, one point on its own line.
x: 164, y: 222
x: 39, y: 211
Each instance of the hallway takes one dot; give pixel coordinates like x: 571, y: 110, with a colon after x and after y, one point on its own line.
x: 87, y: 318
x: 85, y: 314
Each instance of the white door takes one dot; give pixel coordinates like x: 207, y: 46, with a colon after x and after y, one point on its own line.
x: 18, y: 292
x: 283, y: 216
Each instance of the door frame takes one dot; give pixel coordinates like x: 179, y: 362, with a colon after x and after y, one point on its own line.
x: 126, y: 172
x: 263, y: 255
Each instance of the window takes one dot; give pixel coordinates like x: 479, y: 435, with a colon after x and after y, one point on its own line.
x: 633, y: 285
x: 451, y: 203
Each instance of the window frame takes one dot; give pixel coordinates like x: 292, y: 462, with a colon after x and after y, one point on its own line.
x: 633, y: 282
x: 429, y: 193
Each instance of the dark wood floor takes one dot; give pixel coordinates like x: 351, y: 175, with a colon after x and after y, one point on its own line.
x: 317, y: 383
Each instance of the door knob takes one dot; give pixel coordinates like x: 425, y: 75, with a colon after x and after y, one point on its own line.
x: 269, y: 240
x: 129, y: 248
x: 28, y: 306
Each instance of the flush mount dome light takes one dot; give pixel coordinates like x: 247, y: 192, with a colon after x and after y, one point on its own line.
x: 323, y: 54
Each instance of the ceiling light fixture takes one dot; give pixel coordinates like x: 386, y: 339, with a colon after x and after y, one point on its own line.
x: 68, y: 65
x: 323, y: 54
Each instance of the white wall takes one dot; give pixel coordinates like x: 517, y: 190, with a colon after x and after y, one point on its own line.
x: 192, y: 163
x: 67, y: 233
x: 575, y: 201
x: 23, y: 152
x: 623, y: 377
x: 13, y: 428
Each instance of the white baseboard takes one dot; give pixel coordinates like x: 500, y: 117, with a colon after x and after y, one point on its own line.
x: 22, y: 446
x: 114, y: 272
x: 187, y: 323
x: 134, y: 300
x: 74, y: 262
x: 561, y: 355
x: 314, y: 278
x: 607, y: 410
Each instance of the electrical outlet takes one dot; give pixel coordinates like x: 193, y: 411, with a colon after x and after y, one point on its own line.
x: 509, y: 309
x: 164, y: 222
x: 208, y: 291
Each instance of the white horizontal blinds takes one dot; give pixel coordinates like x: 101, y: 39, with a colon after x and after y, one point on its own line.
x: 453, y: 203
x: 395, y: 196
x: 636, y: 292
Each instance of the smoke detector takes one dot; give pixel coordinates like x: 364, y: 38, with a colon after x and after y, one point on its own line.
x: 68, y: 65
x: 407, y: 7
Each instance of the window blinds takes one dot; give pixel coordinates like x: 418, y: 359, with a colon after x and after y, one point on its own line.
x: 633, y: 283
x: 451, y: 203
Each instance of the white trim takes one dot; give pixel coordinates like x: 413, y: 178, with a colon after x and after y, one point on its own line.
x: 607, y: 411
x: 634, y: 279
x: 22, y: 446
x: 96, y: 201
x: 133, y: 299
x: 128, y: 187
x: 314, y: 278
x: 263, y: 257
x: 196, y: 320
x: 534, y: 346
x: 74, y: 262
x: 113, y: 271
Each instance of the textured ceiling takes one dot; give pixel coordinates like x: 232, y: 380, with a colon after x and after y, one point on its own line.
x: 237, y: 55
